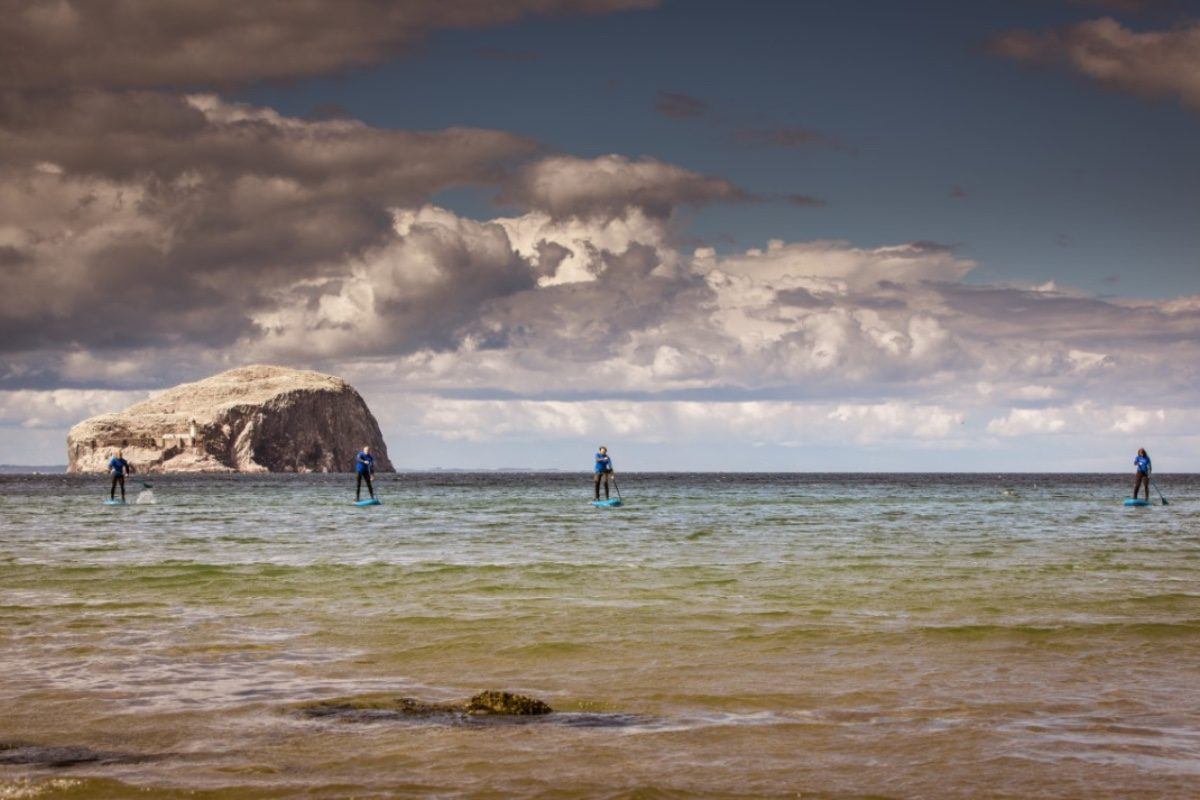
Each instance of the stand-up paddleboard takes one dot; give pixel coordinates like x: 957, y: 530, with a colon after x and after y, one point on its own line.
x: 370, y: 501
x: 613, y: 503
x: 114, y: 502
x: 1129, y: 501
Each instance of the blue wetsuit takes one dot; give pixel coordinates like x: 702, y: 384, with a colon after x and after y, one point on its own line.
x: 1143, y: 475
x: 118, y: 467
x: 602, y: 471
x: 364, y: 465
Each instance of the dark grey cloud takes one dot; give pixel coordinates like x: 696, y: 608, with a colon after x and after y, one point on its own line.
x: 125, y: 135
x: 587, y: 322
x: 12, y: 257
x: 1015, y: 314
x: 930, y: 246
x: 475, y: 264
x: 549, y: 256
x: 802, y: 298
x: 679, y: 105
x: 185, y: 214
x: 146, y: 43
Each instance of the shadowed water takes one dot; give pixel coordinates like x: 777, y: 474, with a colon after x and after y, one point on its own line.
x: 719, y: 635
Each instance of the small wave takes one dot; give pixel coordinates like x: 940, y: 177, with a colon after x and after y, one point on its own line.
x: 1168, y: 598
x: 987, y: 631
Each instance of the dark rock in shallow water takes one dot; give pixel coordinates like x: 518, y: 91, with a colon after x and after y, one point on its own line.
x: 493, y: 702
x: 380, y: 708
x: 27, y: 754
x: 485, y: 708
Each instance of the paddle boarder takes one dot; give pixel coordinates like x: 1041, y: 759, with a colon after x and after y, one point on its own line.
x: 1142, y: 462
x: 119, y: 467
x: 364, y: 464
x: 603, y: 471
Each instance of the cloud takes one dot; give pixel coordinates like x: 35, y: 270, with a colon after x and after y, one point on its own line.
x: 1097, y: 420
x: 804, y: 201
x: 416, y: 291
x: 1149, y: 64
x: 612, y: 185
x: 845, y: 265
x: 573, y: 249
x: 60, y: 408
x: 602, y: 304
x: 143, y: 43
x: 679, y: 106
x: 529, y: 327
x: 141, y: 218
x: 642, y: 321
x: 130, y: 135
x: 790, y: 424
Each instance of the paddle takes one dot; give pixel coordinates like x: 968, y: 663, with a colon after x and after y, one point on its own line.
x: 618, y: 488
x: 1160, y: 494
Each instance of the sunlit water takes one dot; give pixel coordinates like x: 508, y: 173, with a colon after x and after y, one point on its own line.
x: 749, y: 636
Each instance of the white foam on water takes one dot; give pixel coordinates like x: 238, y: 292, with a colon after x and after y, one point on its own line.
x: 145, y: 497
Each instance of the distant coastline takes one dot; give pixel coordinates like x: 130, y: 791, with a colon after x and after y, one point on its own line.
x: 26, y: 469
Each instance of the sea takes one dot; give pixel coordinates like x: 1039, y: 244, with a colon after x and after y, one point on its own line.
x: 719, y: 635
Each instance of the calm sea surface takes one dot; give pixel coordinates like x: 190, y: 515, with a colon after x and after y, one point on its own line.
x: 721, y: 635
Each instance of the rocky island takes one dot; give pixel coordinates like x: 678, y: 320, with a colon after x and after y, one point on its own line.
x: 250, y: 419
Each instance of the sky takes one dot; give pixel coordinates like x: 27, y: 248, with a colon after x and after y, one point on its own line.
x: 810, y: 236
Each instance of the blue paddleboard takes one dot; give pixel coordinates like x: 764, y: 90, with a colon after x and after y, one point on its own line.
x: 114, y: 502
x: 373, y: 501
x: 1129, y: 501
x: 613, y: 503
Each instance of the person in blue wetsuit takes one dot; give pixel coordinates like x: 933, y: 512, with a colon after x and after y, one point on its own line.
x: 364, y: 465
x: 603, y: 471
x: 119, y: 468
x: 1142, y: 462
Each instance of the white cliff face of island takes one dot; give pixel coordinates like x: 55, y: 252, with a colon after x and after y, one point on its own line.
x: 250, y: 419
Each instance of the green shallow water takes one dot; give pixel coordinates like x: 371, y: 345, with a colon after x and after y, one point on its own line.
x: 739, y: 636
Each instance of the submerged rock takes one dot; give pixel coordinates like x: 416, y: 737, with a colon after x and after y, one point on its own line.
x: 376, y: 708
x: 368, y: 709
x: 251, y: 419
x: 27, y: 754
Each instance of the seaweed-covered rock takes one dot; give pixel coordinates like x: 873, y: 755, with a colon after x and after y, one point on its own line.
x: 493, y: 702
